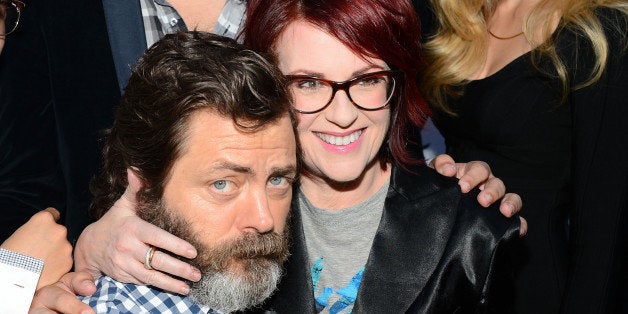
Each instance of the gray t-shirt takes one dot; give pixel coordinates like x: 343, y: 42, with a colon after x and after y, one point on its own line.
x: 338, y: 244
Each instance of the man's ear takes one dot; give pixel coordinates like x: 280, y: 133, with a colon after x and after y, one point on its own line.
x: 135, y: 183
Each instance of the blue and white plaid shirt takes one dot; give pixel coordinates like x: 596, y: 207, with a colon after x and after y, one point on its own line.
x: 160, y: 18
x: 115, y: 297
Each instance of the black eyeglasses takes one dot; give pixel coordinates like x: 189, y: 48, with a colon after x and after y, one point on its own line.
x: 10, y: 11
x: 370, y: 91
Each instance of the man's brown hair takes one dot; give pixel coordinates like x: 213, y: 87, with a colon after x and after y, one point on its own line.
x: 180, y: 74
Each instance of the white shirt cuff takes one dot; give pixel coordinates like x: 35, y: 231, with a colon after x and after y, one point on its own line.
x: 19, y: 275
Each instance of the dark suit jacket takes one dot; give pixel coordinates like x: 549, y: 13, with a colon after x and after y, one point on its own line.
x: 435, y: 251
x: 598, y: 274
x: 58, y: 88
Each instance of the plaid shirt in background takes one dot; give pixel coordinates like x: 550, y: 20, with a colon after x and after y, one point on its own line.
x: 115, y: 297
x: 160, y: 18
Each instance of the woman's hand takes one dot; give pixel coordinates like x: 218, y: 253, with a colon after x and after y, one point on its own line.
x: 117, y: 243
x: 478, y: 174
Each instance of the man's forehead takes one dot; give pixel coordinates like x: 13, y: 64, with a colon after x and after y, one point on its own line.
x: 213, y: 136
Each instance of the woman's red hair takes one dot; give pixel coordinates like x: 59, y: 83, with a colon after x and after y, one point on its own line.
x: 381, y: 29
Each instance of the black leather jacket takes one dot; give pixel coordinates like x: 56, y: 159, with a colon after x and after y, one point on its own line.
x: 436, y: 251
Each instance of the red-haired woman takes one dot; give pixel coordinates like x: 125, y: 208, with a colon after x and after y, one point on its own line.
x: 372, y: 232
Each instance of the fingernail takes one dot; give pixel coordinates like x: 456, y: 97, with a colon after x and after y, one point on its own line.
x: 88, y: 283
x: 447, y: 168
x: 196, y: 274
x: 511, y: 208
x: 184, y: 290
x: 191, y: 253
x: 488, y: 197
x: 464, y: 186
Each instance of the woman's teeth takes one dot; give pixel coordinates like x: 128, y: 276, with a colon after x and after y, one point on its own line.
x: 340, y: 140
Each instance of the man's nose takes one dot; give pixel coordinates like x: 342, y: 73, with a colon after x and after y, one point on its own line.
x: 256, y: 215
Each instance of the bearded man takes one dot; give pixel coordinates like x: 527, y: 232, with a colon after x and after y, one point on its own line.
x: 205, y: 133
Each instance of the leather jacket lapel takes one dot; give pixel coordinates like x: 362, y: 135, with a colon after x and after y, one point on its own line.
x: 410, y: 240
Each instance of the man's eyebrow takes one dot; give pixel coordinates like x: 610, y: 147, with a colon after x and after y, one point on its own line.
x: 288, y: 171
x: 231, y: 166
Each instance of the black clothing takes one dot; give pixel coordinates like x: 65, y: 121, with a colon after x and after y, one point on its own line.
x: 436, y: 250
x: 564, y: 160
x: 58, y: 88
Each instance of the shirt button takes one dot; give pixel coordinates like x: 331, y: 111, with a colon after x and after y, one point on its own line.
x: 174, y: 21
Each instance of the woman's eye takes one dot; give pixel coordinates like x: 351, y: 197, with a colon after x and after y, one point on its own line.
x: 309, y: 84
x: 371, y: 81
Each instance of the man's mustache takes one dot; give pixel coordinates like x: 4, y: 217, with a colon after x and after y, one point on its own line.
x: 270, y: 245
x: 250, y: 247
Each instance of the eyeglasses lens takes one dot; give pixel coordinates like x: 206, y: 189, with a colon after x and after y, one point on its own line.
x: 9, y: 15
x: 368, y: 92
x: 372, y: 92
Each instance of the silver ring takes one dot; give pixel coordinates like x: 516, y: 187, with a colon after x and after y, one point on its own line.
x: 149, y: 257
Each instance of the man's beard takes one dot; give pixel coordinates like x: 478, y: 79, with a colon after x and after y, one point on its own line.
x: 237, y: 274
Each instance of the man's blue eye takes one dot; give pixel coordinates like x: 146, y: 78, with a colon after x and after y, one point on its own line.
x: 220, y: 184
x: 277, y: 180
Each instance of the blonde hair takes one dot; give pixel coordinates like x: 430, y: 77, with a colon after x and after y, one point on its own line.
x: 458, y: 48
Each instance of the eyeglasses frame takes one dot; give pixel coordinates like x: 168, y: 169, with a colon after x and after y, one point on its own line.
x: 344, y: 86
x: 19, y: 6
